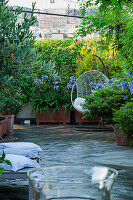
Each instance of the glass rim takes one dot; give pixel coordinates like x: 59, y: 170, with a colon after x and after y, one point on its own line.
x: 110, y: 177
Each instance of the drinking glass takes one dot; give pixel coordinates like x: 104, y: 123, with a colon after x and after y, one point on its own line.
x: 72, y: 182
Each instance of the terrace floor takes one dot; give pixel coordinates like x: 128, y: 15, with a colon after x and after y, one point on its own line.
x: 63, y: 145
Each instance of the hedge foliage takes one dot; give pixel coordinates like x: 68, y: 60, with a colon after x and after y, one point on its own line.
x: 63, y: 54
x: 91, y: 47
x: 73, y: 56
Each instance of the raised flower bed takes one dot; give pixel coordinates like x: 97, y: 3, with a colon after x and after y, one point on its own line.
x: 58, y: 117
x: 51, y: 97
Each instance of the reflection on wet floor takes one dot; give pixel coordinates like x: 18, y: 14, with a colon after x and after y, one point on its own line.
x: 62, y: 145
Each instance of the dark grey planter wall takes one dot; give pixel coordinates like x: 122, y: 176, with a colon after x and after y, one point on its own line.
x: 25, y: 114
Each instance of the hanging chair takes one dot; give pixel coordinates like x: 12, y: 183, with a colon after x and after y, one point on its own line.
x: 85, y: 85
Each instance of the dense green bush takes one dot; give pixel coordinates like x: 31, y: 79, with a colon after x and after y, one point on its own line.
x: 103, y: 102
x: 17, y: 55
x: 124, y: 118
x: 113, y: 21
x: 62, y: 53
x: 26, y: 83
x: 126, y: 52
x: 92, y: 47
x: 108, y: 98
x: 10, y: 96
x: 11, y: 101
x: 16, y: 41
x: 49, y: 90
x: 72, y: 56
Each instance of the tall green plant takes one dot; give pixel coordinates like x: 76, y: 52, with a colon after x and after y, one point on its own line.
x: 107, y: 20
x: 111, y: 20
x: 49, y: 90
x: 16, y: 40
x: 86, y: 61
x: 126, y: 52
x: 16, y: 54
x: 124, y: 118
x: 62, y: 53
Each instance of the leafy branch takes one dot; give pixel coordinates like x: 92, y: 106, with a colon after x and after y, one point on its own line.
x: 3, y: 160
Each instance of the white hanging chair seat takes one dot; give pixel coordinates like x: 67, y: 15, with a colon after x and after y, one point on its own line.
x: 78, y: 104
x: 86, y: 85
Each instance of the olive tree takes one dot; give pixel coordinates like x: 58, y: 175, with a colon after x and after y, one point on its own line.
x: 16, y: 52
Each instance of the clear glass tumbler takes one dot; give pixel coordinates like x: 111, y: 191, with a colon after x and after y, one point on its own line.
x: 72, y: 183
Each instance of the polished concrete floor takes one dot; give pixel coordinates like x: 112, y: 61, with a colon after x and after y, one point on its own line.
x: 63, y: 145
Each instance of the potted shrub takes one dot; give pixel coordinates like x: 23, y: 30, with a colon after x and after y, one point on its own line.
x: 53, y: 107
x: 107, y: 98
x: 124, y: 119
x: 15, y: 59
x: 11, y: 103
x: 50, y: 96
x: 101, y: 103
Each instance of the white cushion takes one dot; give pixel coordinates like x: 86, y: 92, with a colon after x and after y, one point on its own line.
x: 78, y: 104
x: 18, y: 162
x: 21, y: 145
x: 21, y: 152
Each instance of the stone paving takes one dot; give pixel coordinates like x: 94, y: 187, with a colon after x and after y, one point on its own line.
x: 63, y: 145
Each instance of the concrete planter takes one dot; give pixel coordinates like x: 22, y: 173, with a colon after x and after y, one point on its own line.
x: 120, y: 139
x: 3, y: 125
x: 59, y: 117
x: 25, y: 114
